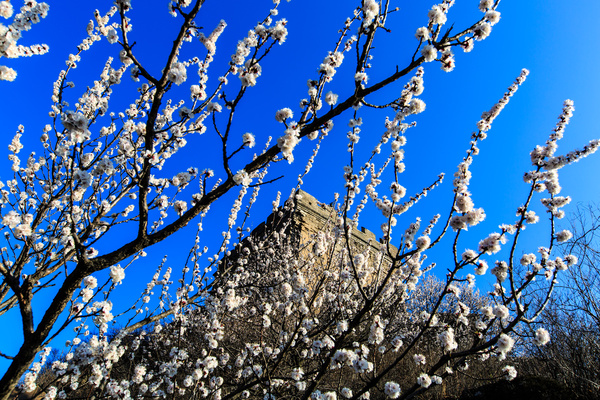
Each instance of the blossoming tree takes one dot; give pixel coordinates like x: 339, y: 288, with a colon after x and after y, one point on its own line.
x: 279, y: 320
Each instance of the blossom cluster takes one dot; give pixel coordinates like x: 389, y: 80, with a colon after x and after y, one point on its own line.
x: 30, y: 13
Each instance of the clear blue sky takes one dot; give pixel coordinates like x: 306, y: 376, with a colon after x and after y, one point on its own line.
x: 556, y: 40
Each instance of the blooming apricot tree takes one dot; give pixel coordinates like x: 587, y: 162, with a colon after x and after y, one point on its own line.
x: 318, y: 320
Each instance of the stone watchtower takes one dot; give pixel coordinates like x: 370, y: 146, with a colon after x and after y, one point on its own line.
x: 302, y: 220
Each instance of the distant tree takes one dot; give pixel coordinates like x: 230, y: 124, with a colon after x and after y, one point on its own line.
x: 279, y: 322
x: 573, y: 314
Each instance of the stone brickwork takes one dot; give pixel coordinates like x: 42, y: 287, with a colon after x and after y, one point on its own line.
x: 303, y: 221
x: 312, y: 216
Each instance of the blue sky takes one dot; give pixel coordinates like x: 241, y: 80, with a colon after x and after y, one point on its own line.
x: 555, y: 40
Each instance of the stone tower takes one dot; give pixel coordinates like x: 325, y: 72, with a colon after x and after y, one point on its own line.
x: 301, y: 221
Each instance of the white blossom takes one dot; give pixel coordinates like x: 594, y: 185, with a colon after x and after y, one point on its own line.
x: 542, y: 337
x: 429, y: 53
x: 117, y: 274
x: 392, y: 390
